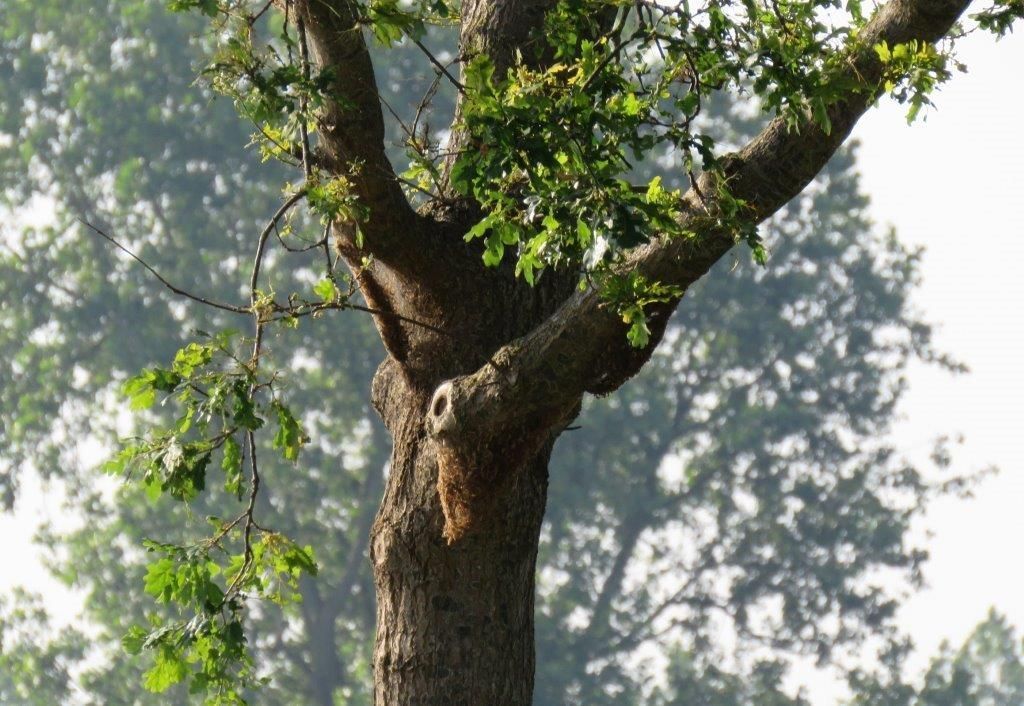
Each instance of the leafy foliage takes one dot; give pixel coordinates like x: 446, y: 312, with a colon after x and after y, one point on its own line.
x: 1000, y: 16
x: 35, y: 665
x: 731, y: 467
x: 81, y: 136
x: 987, y: 670
x: 551, y: 146
x: 220, y: 398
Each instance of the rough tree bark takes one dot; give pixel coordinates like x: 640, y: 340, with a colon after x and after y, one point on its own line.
x: 477, y: 391
x: 454, y: 611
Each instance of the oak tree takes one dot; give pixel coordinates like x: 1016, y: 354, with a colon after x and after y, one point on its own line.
x: 510, y: 270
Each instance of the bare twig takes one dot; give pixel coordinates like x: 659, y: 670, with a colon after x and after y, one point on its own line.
x: 395, y: 115
x: 253, y: 19
x: 303, y: 127
x: 254, y: 489
x: 309, y: 244
x: 313, y: 308
x: 262, y: 244
x: 427, y: 99
x: 177, y: 290
x: 439, y: 66
x: 326, y: 243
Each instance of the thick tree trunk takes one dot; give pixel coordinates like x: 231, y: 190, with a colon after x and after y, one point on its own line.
x: 455, y: 604
x: 454, y: 620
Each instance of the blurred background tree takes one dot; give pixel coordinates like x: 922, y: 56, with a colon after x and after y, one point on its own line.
x: 740, y: 491
x: 988, y: 670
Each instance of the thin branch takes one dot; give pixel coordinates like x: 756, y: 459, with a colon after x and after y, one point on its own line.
x: 303, y: 127
x: 250, y: 522
x: 261, y: 245
x: 257, y: 346
x: 412, y: 141
x: 306, y: 248
x: 326, y: 243
x: 290, y: 151
x: 255, y: 18
x: 314, y: 308
x: 439, y: 66
x: 254, y: 489
x: 416, y: 187
x: 235, y: 309
x: 395, y: 115
x: 428, y: 98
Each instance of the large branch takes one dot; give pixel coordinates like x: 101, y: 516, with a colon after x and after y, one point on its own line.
x: 582, y: 347
x: 351, y: 126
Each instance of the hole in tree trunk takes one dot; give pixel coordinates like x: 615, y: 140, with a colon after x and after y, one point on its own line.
x: 440, y: 405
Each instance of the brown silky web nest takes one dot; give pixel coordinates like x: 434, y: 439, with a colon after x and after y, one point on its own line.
x: 464, y: 494
x: 475, y: 466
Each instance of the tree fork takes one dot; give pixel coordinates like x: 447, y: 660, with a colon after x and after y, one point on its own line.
x: 582, y: 347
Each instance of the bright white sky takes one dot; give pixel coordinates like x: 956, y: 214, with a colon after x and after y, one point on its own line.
x: 955, y: 184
